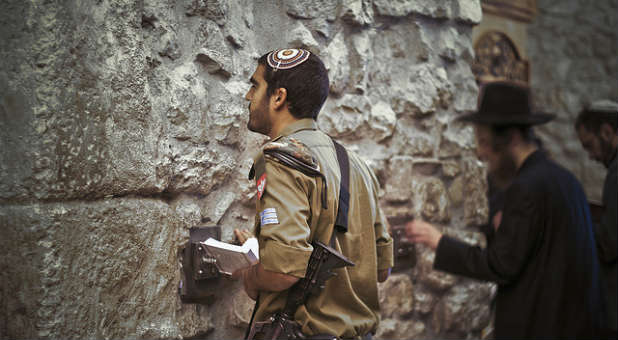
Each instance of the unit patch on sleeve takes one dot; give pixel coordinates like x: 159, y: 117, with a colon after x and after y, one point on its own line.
x: 268, y: 216
x: 261, y: 185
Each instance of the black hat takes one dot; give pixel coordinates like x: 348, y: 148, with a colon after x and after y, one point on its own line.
x: 505, y: 104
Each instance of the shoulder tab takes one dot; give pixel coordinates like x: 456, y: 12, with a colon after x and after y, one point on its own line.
x: 296, y: 155
x: 293, y: 153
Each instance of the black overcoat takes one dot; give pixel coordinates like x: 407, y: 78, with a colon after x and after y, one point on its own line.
x: 542, y: 257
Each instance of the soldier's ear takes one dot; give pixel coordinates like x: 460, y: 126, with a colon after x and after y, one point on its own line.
x: 278, y: 98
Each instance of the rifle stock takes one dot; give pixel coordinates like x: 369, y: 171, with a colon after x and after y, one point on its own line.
x: 323, y: 260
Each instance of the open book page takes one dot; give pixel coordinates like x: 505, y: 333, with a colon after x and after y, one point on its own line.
x: 230, y: 257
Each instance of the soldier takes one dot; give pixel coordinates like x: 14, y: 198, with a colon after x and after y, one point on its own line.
x: 542, y: 255
x: 301, y: 194
x: 597, y: 129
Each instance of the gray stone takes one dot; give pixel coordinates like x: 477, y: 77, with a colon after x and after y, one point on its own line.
x: 468, y: 11
x: 382, y: 120
x: 433, y: 279
x: 215, y: 10
x: 439, y: 9
x: 431, y: 199
x: 398, y: 187
x: 464, y: 309
x: 396, y: 296
x: 476, y: 208
x: 357, y: 12
x: 419, y: 97
x: 336, y: 62
x: 301, y: 37
x: 424, y: 300
x: 312, y: 9
x: 398, y: 329
x: 109, y: 266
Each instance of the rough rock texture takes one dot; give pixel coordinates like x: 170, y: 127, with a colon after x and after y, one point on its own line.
x: 123, y: 124
x: 566, y: 73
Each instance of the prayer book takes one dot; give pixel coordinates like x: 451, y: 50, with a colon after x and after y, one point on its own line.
x: 229, y: 258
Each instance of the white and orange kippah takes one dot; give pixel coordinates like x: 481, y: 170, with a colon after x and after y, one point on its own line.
x: 287, y: 58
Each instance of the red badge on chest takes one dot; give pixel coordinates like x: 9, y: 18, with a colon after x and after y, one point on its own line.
x: 261, y: 185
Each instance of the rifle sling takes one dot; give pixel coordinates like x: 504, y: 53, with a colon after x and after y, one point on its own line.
x: 341, y: 222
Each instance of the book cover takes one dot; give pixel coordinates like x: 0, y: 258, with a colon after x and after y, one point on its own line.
x: 229, y: 257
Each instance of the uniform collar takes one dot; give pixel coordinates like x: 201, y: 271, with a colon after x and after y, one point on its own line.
x: 301, y: 124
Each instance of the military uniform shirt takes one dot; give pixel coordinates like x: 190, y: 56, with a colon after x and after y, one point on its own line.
x: 290, y: 215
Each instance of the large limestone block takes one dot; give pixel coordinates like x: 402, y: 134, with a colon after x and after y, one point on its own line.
x: 87, y: 117
x: 105, y: 269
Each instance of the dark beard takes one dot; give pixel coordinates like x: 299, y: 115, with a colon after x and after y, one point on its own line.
x: 503, y: 175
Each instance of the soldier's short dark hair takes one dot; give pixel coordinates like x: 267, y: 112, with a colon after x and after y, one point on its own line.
x: 306, y: 84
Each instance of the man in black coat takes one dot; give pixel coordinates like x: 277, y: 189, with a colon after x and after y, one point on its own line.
x: 542, y: 255
x: 597, y: 129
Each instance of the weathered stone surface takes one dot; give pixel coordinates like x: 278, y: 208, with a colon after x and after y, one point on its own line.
x: 433, y: 279
x: 468, y: 11
x: 398, y: 187
x: 424, y: 300
x: 431, y: 199
x: 396, y: 296
x: 215, y: 10
x: 336, y: 62
x: 345, y: 119
x: 123, y: 124
x: 412, y: 141
x: 312, y: 9
x: 464, y: 310
x: 476, y: 209
x: 242, y: 308
x: 427, y: 86
x: 357, y: 12
x: 108, y: 267
x: 301, y: 37
x: 439, y: 9
x: 396, y: 329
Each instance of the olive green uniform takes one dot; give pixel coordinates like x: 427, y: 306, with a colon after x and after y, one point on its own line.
x: 291, y: 214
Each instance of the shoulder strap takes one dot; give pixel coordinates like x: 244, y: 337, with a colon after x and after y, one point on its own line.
x: 341, y: 222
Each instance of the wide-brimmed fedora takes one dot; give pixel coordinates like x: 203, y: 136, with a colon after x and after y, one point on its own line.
x: 504, y: 104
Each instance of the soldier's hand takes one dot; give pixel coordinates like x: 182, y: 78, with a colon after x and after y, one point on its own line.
x: 242, y: 235
x: 419, y: 231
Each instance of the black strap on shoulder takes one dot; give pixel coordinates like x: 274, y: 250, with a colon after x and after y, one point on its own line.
x: 341, y: 223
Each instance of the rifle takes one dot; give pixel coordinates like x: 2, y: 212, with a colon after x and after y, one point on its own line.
x: 319, y: 269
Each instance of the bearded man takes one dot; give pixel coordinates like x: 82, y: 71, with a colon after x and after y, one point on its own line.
x: 597, y: 129
x: 542, y: 255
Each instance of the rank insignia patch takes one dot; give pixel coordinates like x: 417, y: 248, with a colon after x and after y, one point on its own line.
x: 261, y: 185
x: 268, y: 216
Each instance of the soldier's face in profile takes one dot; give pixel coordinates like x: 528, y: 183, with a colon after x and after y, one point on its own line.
x: 258, y: 103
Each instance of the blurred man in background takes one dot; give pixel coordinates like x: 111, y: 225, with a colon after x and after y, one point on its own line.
x: 597, y: 128
x: 542, y: 255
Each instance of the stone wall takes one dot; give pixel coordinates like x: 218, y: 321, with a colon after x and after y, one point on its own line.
x: 123, y: 124
x: 572, y: 48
